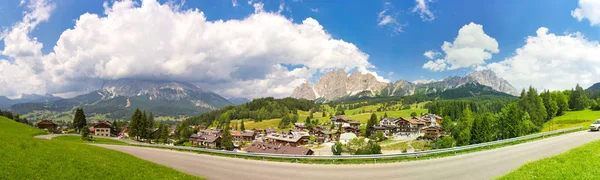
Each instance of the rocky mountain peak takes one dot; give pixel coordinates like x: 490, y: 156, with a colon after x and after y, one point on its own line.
x: 489, y: 78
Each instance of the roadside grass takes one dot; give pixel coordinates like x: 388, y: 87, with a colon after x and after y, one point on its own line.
x: 572, y: 119
x: 25, y: 157
x: 579, y: 163
x: 96, y: 140
x: 397, y: 146
x: 362, y: 161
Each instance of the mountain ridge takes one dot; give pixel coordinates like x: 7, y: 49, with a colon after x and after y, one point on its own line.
x: 342, y: 85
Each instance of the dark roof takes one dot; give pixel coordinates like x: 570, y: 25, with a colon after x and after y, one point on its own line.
x: 208, y: 138
x: 380, y: 128
x: 102, y: 124
x: 45, y: 121
x: 261, y: 147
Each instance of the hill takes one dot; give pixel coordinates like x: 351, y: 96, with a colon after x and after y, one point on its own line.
x: 595, y: 87
x: 118, y: 99
x: 25, y: 157
x: 26, y: 98
x: 469, y: 90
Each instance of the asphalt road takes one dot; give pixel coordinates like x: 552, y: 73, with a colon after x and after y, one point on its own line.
x: 479, y: 165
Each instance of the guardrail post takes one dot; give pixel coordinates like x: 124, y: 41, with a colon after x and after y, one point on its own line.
x: 375, y: 160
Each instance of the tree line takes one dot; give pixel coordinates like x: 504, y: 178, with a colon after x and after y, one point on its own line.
x: 468, y: 122
x: 15, y: 117
x: 257, y: 110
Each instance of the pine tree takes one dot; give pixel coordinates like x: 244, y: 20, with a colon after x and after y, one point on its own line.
x: 561, y: 102
x: 227, y: 139
x: 372, y: 121
x: 164, y: 133
x: 385, y: 115
x: 578, y: 99
x: 550, y: 104
x: 79, y: 121
x: 323, y: 115
x: 242, y: 128
x: 135, y: 124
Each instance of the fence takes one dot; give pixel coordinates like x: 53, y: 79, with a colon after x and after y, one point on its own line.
x: 376, y: 156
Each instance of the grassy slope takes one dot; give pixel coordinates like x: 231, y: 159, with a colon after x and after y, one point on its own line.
x: 363, y: 118
x: 578, y: 163
x: 96, y: 140
x: 572, y: 119
x: 24, y: 157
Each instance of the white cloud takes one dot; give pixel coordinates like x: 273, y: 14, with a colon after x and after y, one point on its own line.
x: 150, y: 40
x: 437, y: 65
x: 588, y: 9
x: 431, y: 54
x: 234, y: 3
x: 550, y: 61
x: 472, y: 47
x: 387, y: 18
x: 423, y: 10
x: 314, y: 9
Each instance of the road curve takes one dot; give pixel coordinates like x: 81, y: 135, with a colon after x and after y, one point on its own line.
x: 479, y: 165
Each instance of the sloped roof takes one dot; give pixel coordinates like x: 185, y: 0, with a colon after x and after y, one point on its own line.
x: 261, y: 147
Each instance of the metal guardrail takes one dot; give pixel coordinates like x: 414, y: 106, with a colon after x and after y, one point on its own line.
x: 376, y: 156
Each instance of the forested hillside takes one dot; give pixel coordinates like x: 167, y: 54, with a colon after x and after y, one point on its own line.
x: 257, y: 110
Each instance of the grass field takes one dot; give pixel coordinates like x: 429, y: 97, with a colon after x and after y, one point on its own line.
x: 398, y: 146
x: 572, y: 119
x: 96, y: 140
x: 25, y: 157
x: 578, y: 163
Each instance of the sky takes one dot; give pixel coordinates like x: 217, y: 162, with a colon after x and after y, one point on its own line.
x: 267, y: 48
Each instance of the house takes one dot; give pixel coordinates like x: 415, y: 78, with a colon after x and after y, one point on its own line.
x: 270, y: 131
x: 46, y: 124
x: 433, y: 118
x: 346, y: 137
x: 101, y: 128
x: 299, y: 126
x: 351, y: 129
x: 383, y: 129
x: 343, y: 121
x: 292, y: 138
x: 266, y: 148
x: 204, y: 140
x: 433, y: 132
x: 242, y: 136
x: 387, y: 121
x: 212, y: 131
x: 408, y: 127
x: 257, y: 131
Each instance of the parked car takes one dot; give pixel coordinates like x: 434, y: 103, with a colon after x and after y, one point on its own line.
x: 595, y: 126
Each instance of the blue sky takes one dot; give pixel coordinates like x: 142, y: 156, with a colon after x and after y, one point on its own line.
x: 394, y: 54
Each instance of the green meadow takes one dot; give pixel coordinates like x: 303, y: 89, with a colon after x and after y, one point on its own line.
x: 25, y: 157
x: 578, y: 163
x: 572, y: 119
x: 95, y: 140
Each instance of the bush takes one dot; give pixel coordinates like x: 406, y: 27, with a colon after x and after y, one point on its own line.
x: 337, y: 148
x: 180, y: 142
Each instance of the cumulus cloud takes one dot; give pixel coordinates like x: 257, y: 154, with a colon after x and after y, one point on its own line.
x: 423, y: 10
x: 472, y: 47
x: 588, y: 9
x: 240, y: 57
x: 551, y: 61
x: 388, y: 19
x: 431, y: 54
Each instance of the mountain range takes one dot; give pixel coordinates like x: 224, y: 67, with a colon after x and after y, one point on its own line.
x: 6, y: 102
x: 117, y: 99
x: 337, y: 84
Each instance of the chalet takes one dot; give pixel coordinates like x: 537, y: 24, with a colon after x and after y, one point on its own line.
x: 292, y: 138
x: 323, y: 136
x: 383, y: 129
x: 265, y: 148
x: 270, y: 131
x: 46, y: 124
x: 433, y: 118
x: 387, y: 121
x: 351, y: 129
x: 101, y: 128
x: 433, y: 132
x: 257, y: 131
x: 343, y: 121
x: 212, y: 131
x: 203, y: 140
x: 299, y: 126
x: 408, y: 127
x: 242, y: 136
